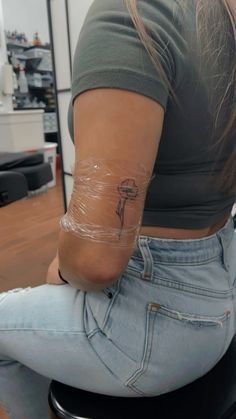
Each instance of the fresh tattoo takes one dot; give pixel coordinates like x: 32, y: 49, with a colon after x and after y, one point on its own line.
x: 128, y: 191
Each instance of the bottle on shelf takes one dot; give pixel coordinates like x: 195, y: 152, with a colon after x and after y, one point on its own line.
x: 15, y: 82
x: 22, y: 81
x: 37, y: 40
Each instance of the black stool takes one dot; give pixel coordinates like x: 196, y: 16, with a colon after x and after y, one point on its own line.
x: 13, y: 186
x: 210, y: 397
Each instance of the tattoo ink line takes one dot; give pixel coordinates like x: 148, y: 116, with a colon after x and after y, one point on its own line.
x: 128, y: 191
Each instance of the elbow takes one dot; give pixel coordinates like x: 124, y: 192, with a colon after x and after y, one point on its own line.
x: 88, y: 277
x: 90, y: 266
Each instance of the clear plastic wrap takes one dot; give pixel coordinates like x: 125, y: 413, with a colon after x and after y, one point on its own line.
x: 107, y: 201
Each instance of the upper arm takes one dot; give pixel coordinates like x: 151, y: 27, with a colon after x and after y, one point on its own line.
x: 116, y: 124
x: 120, y: 130
x: 119, y: 100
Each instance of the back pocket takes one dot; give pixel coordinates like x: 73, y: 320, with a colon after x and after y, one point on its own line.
x: 179, y: 348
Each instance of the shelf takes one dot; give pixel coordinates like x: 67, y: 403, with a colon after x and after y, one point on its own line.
x: 38, y: 70
x: 50, y: 132
x: 47, y: 47
x: 18, y: 45
x: 17, y: 93
x: 47, y: 109
x: 15, y: 44
x: 44, y: 93
x: 39, y: 87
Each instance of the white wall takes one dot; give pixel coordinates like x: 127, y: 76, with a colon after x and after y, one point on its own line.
x: 27, y: 16
x: 5, y: 101
x: 77, y: 13
x: 77, y: 10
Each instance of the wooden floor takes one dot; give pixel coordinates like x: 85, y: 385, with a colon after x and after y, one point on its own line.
x: 29, y: 231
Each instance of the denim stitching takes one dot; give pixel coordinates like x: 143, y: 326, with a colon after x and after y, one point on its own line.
x: 191, y: 318
x: 178, y: 316
x: 51, y: 331
x: 146, y: 258
x: 113, y: 300
x: 150, y: 320
x: 191, y: 289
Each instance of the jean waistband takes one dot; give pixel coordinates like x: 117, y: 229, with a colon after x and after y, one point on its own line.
x: 187, y: 250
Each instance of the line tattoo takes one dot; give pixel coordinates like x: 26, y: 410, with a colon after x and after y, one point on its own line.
x: 128, y: 191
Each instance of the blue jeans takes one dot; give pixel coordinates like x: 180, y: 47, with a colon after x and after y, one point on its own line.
x: 167, y: 321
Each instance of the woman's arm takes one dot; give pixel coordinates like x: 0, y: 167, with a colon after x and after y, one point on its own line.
x: 116, y: 132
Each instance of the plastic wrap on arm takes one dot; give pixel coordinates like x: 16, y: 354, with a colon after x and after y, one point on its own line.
x: 107, y: 201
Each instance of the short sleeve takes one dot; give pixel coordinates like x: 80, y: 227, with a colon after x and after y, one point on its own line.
x: 110, y: 53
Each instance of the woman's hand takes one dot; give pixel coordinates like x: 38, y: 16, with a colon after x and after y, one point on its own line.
x: 52, y: 274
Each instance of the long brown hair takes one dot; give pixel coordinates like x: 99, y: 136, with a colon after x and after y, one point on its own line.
x: 216, y: 24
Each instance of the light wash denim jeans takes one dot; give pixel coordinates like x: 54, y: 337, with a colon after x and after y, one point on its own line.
x: 167, y: 321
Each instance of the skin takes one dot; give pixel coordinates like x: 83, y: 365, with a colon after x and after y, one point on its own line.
x: 126, y: 127
x: 118, y: 130
x: 52, y: 274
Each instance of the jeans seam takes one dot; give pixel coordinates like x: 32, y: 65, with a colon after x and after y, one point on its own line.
x: 113, y: 300
x: 143, y: 365
x: 189, y: 317
x: 190, y: 289
x: 44, y: 331
x: 160, y: 261
x: 92, y: 333
x: 227, y: 329
x: 100, y: 332
x: 186, y: 263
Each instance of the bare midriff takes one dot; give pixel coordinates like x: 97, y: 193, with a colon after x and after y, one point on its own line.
x: 181, y: 234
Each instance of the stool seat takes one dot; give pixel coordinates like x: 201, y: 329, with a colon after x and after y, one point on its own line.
x: 212, y: 396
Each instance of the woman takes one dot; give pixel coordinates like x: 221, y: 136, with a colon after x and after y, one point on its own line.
x: 147, y: 245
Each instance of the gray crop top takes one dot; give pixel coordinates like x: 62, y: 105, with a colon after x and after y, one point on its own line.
x: 184, y: 192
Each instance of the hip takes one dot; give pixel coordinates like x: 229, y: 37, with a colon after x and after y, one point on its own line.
x: 171, y: 315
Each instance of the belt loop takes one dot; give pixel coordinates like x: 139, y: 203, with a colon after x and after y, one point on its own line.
x: 143, y: 244
x: 224, y: 247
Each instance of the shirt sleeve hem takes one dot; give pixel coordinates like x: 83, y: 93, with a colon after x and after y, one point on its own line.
x: 121, y: 79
